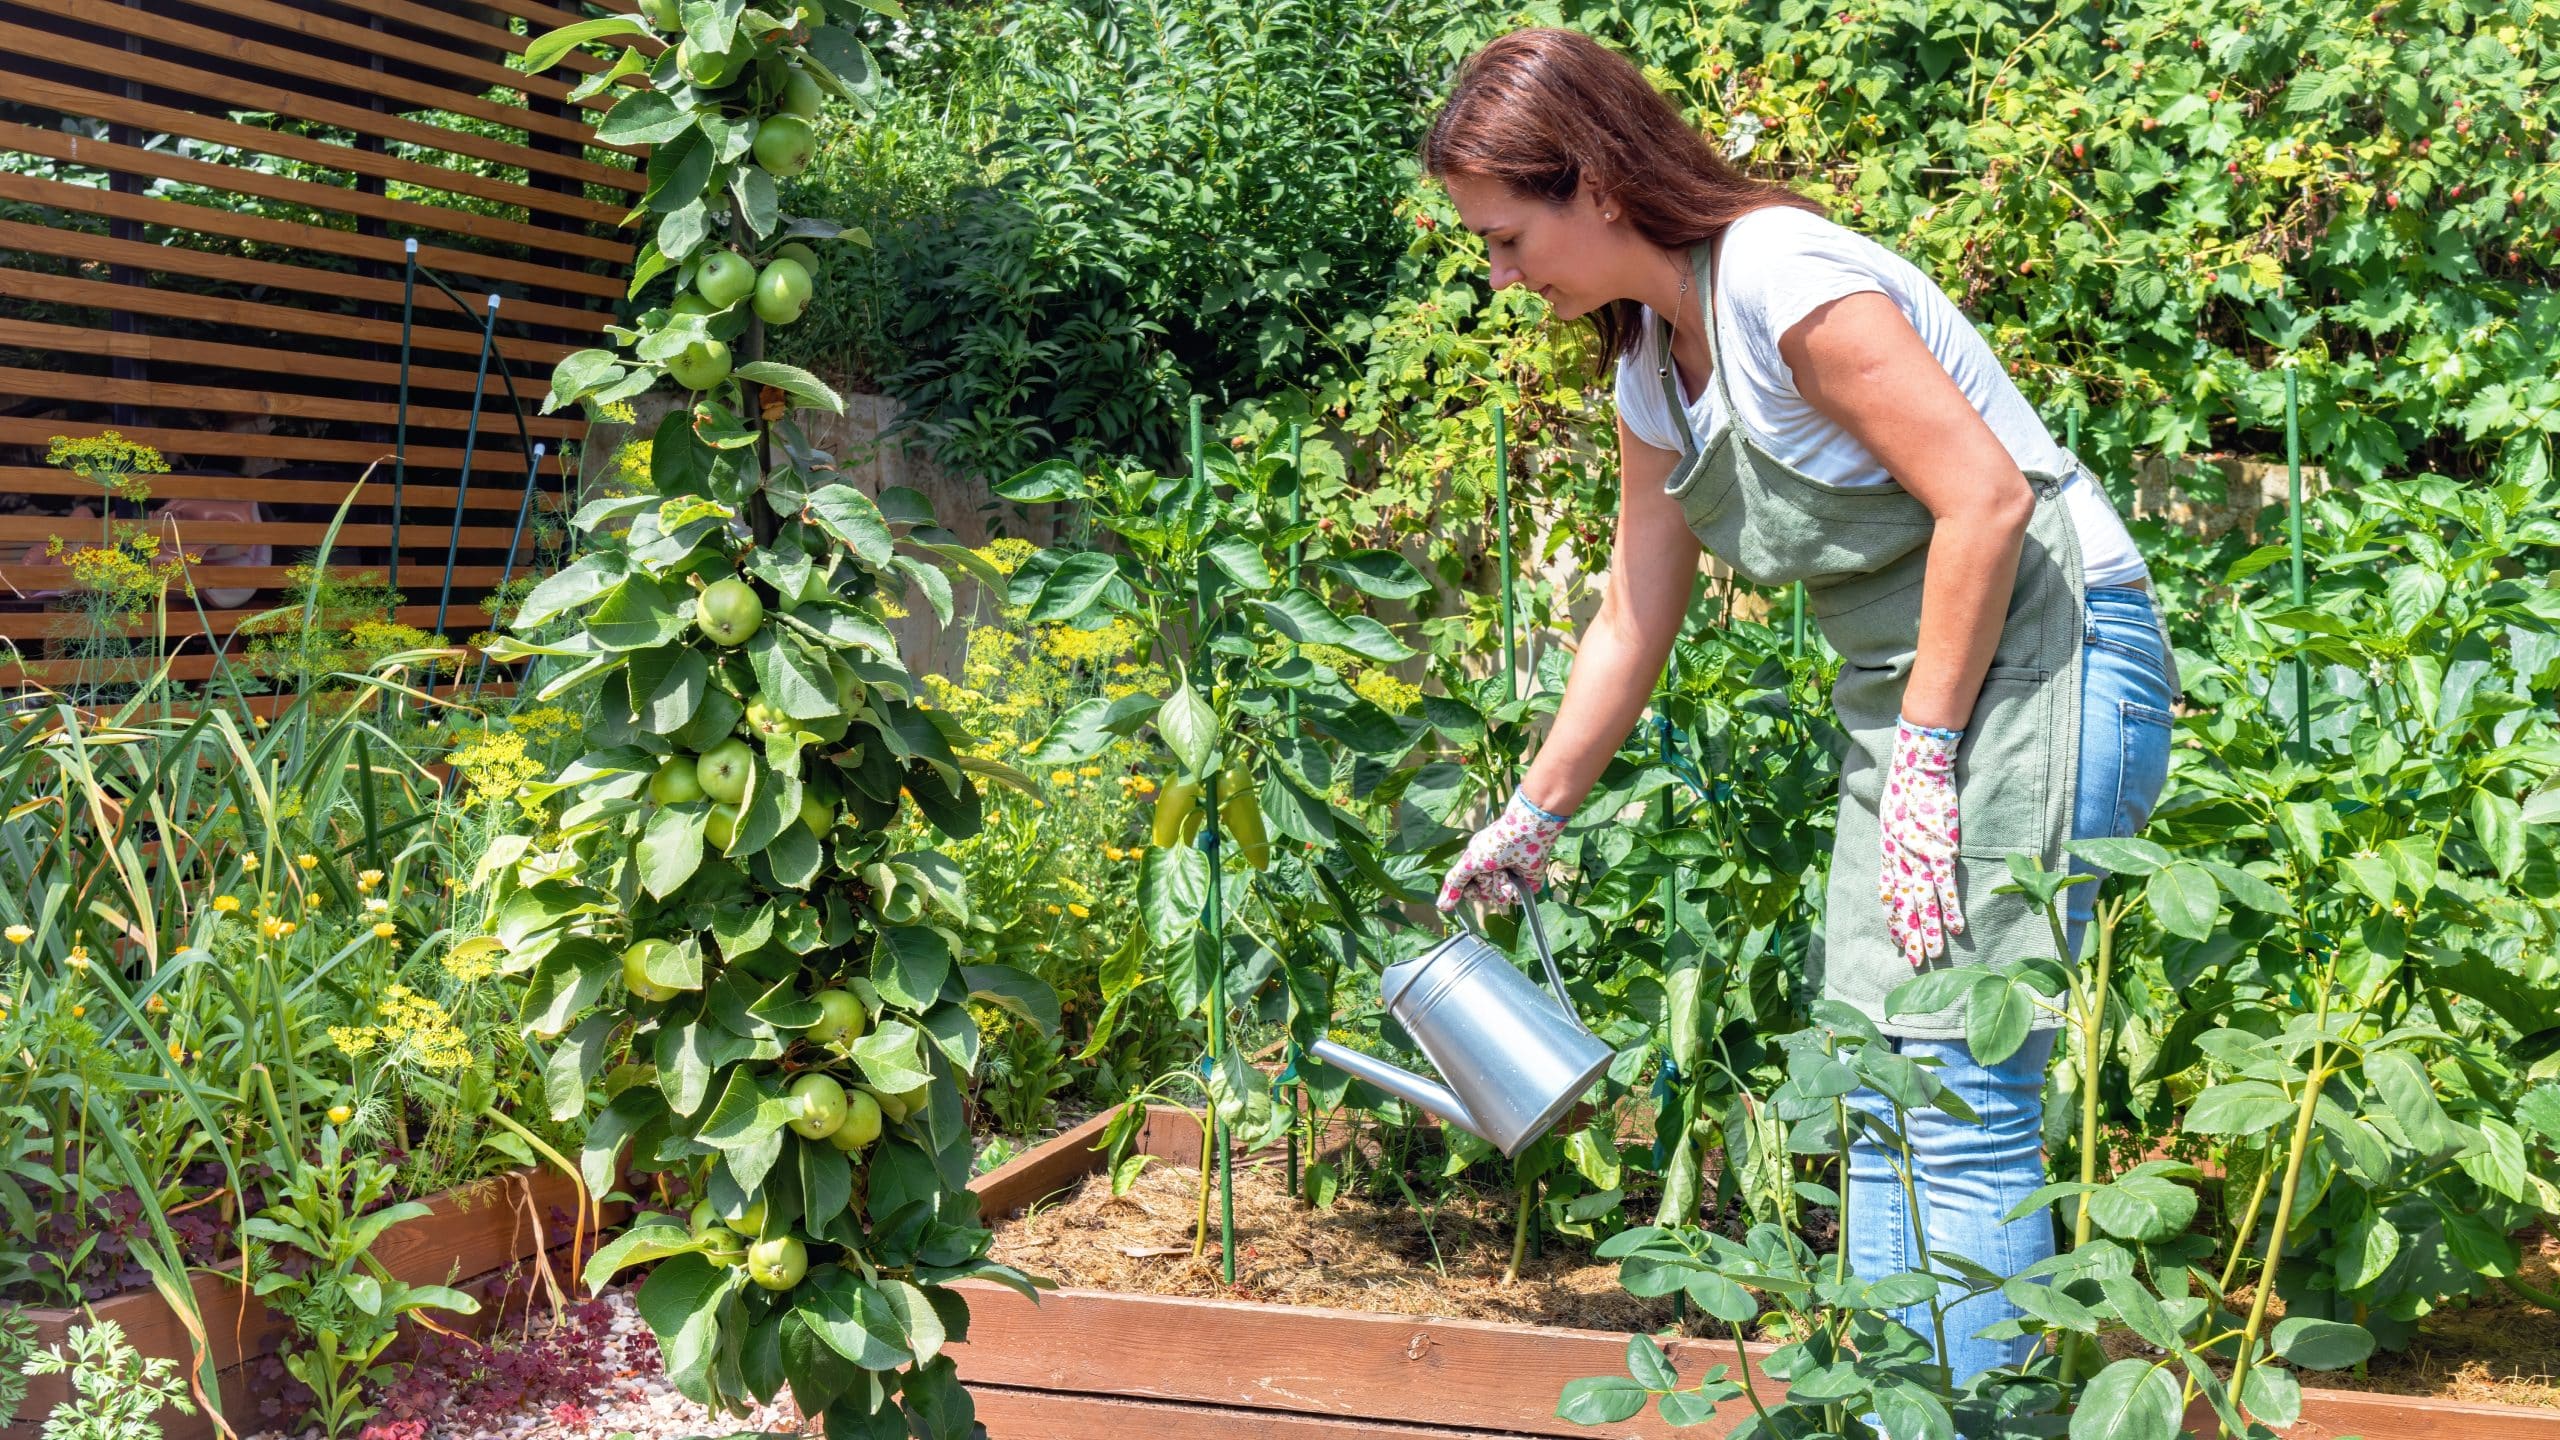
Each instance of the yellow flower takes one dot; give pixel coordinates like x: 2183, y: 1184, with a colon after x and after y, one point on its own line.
x: 225, y: 904
x: 78, y: 959
x: 1054, y: 910
x: 376, y: 905
x: 177, y: 1051
x: 385, y: 930
x: 367, y: 879
x: 307, y: 860
x: 1145, y: 786
x: 1062, y: 777
x: 156, y: 1006
x: 1079, y: 912
x: 351, y: 1039
x: 18, y: 934
x: 249, y: 863
x: 79, y: 1010
x: 340, y: 1114
x: 1089, y: 770
x: 1110, y: 852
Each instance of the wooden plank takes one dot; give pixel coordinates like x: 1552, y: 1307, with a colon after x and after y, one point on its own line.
x: 39, y: 528
x: 44, y: 624
x: 186, y: 667
x: 1011, y: 1414
x: 285, y: 61
x: 94, y: 249
x: 144, y: 346
x: 64, y: 385
x: 476, y: 33
x: 428, y: 333
x: 21, y: 578
x: 394, y: 46
x: 44, y: 480
x: 213, y: 220
x: 1043, y: 1171
x: 74, y: 100
x: 1305, y: 1360
x: 266, y: 96
x: 489, y: 459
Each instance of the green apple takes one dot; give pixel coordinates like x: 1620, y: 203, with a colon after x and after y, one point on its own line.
x: 777, y: 1264
x: 749, y: 1221
x: 677, y: 781
x: 720, y: 827
x: 861, y: 1123
x: 840, y: 1017
x: 768, y: 722
x: 803, y: 254
x: 802, y: 96
x: 701, y: 365
x: 691, y: 303
x: 703, y: 1218
x: 635, y: 970
x: 782, y: 292
x: 729, y: 611
x: 723, y: 770
x: 822, y: 1106
x: 725, y: 278
x: 897, y: 1105
x: 818, y: 815
x: 722, y: 1245
x: 709, y: 69
x: 785, y: 144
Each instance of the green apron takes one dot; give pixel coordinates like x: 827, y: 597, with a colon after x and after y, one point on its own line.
x: 1861, y: 552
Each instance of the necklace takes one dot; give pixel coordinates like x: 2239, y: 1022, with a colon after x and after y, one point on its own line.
x: 1675, y: 328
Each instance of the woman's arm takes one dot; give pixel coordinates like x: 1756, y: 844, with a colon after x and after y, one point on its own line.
x: 1653, y: 570
x: 1858, y: 361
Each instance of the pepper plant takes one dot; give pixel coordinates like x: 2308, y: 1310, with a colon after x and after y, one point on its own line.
x: 752, y: 989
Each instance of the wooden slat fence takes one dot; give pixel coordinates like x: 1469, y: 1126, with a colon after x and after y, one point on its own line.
x: 204, y: 214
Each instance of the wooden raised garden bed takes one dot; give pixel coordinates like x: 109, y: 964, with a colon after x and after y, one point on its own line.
x: 474, y: 1231
x: 1095, y: 1365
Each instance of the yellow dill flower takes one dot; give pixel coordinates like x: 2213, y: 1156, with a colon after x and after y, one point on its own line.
x: 18, y: 934
x: 1387, y: 692
x: 351, y: 1039
x: 225, y: 904
x: 469, y: 966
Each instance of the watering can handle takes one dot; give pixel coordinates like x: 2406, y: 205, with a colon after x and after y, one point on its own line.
x: 1538, y: 933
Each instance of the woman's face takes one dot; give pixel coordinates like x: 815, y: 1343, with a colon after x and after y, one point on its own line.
x: 1565, y: 253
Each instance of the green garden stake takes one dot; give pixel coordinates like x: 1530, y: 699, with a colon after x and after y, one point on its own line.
x: 1510, y: 601
x: 1199, y: 476
x: 2293, y: 538
x: 1297, y: 558
x: 1217, y: 1032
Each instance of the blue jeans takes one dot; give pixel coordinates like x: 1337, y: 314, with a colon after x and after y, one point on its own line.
x: 1967, y: 1176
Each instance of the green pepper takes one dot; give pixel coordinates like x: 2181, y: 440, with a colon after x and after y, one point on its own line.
x: 1240, y: 807
x: 1174, y: 805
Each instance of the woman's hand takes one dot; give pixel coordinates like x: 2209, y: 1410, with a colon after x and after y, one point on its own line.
x: 1917, y: 881
x: 1504, y: 855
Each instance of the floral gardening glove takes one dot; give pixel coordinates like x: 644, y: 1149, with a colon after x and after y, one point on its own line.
x: 1514, y: 845
x: 1917, y: 881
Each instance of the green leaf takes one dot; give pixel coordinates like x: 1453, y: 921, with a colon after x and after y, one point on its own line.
x: 853, y: 1319
x: 1997, y: 1018
x: 2185, y: 899
x: 1015, y: 991
x: 1242, y: 561
x: 2321, y: 1344
x: 574, y: 1065
x: 681, y: 1302
x: 2271, y: 1395
x: 2240, y: 1107
x: 1650, y: 1367
x: 1173, y: 886
x: 1088, y: 728
x: 2119, y: 855
x: 909, y: 963
x: 667, y: 687
x: 1048, y: 480
x: 2497, y: 823
x: 638, y: 1246
x: 2142, y: 1208
x: 642, y: 117
x: 1190, y: 727
x: 1601, y: 1400
x: 890, y: 1059
x: 2413, y: 594
x: 792, y: 679
x: 2140, y: 1311
x: 670, y: 848
x: 853, y: 520
x: 804, y: 387
x: 2409, y: 1091
x: 2365, y: 1249
x: 1382, y: 573
x: 2129, y: 1400
x: 745, y: 1126
x: 2248, y: 889
x: 552, y: 46
x: 635, y: 615
x: 1073, y: 588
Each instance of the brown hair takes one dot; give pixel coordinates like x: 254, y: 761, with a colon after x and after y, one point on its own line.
x: 1542, y: 110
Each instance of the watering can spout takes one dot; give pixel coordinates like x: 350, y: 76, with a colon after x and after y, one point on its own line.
x: 1430, y: 1094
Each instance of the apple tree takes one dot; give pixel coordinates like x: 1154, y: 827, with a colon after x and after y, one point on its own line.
x: 750, y: 980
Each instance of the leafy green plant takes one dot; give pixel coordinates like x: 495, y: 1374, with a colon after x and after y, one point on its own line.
x: 114, y: 1390
x: 346, y: 1307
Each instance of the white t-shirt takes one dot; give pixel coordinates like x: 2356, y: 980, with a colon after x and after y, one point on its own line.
x: 1774, y: 267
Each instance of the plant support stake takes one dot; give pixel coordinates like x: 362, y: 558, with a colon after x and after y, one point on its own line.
x: 1297, y: 560
x: 507, y: 572
x: 2293, y: 538
x: 470, y: 441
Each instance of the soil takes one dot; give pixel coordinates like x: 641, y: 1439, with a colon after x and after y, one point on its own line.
x: 1362, y: 1254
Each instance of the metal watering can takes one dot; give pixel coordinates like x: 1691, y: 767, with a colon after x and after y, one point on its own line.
x: 1515, y: 1060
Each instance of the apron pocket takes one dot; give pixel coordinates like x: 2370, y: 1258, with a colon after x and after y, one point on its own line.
x: 2001, y: 785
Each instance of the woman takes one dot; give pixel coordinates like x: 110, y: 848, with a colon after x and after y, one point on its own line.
x: 1805, y: 404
